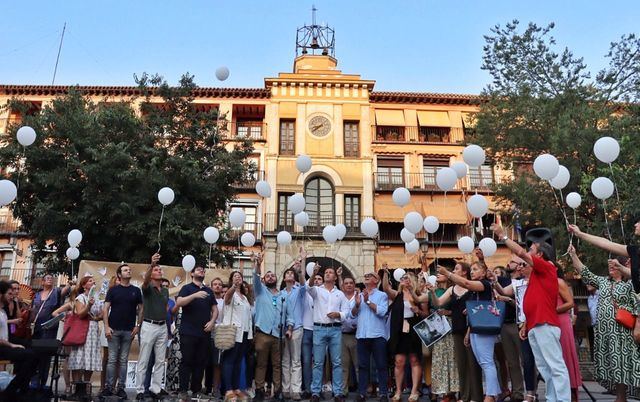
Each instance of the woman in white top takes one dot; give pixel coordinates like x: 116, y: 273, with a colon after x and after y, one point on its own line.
x: 237, y: 311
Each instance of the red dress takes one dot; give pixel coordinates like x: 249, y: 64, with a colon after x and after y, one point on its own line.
x: 568, y: 345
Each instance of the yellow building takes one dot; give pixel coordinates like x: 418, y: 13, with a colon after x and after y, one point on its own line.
x: 363, y: 145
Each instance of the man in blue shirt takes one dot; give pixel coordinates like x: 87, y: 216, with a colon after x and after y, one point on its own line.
x: 269, y: 317
x: 294, y: 295
x: 370, y: 308
x: 199, y: 313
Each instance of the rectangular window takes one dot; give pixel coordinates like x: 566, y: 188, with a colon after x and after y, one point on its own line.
x: 351, y: 143
x: 430, y: 168
x: 390, y: 173
x: 352, y: 212
x: 481, y: 177
x: 244, y: 265
x: 7, y: 262
x: 285, y: 217
x: 249, y: 129
x: 287, y: 137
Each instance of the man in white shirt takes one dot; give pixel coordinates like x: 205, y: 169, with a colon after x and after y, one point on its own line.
x: 330, y: 308
x: 307, y: 339
x: 349, y: 351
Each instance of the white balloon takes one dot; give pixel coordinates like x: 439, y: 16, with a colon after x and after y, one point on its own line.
x: 330, y: 234
x: 283, y: 238
x: 412, y: 247
x: 546, y: 166
x: 606, y: 149
x: 431, y: 224
x: 301, y: 219
x: 310, y: 267
x: 401, y: 196
x: 488, y: 246
x: 211, y: 235
x: 296, y: 203
x: 73, y: 253
x: 562, y: 178
x: 398, y: 273
x: 188, y: 263
x: 602, y: 188
x: 465, y: 244
x: 303, y: 163
x: 413, y: 222
x: 574, y: 200
x: 341, y: 230
x: 74, y: 237
x: 477, y: 206
x: 8, y: 192
x: 222, y: 73
x: 166, y: 196
x: 473, y: 155
x: 26, y: 136
x: 432, y: 280
x: 446, y: 179
x: 460, y: 168
x: 248, y: 239
x: 237, y: 217
x: 406, y: 236
x: 263, y: 189
x: 369, y: 227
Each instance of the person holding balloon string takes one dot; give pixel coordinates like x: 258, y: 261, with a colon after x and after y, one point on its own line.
x: 403, y: 341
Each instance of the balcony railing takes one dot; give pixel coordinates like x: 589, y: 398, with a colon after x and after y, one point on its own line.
x: 241, y: 130
x: 426, y: 181
x: 399, y: 134
x: 252, y: 227
x: 390, y: 233
x: 250, y: 182
x: 277, y: 223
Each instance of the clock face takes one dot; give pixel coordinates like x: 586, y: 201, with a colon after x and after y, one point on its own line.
x: 319, y: 126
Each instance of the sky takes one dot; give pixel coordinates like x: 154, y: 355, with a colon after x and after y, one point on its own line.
x: 417, y: 46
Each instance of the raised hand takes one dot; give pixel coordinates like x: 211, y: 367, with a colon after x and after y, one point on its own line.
x: 574, y: 229
x: 497, y: 229
x: 155, y: 258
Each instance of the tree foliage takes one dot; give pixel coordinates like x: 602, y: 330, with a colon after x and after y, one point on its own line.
x: 98, y: 167
x: 544, y: 100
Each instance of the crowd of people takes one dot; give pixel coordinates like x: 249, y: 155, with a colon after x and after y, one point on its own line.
x: 305, y: 336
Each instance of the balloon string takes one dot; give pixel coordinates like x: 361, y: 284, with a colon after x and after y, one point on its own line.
x: 24, y: 155
x: 615, y: 186
x: 160, y: 229
x: 209, y: 258
x: 564, y: 214
x: 606, y: 221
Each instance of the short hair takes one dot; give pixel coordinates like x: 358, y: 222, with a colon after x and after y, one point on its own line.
x: 163, y: 280
x: 546, y: 250
x: 350, y: 278
x: 4, y: 287
x: 217, y: 278
x: 119, y: 269
x: 13, y: 281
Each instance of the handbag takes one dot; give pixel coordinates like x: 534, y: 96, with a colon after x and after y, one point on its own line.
x: 225, y: 334
x: 623, y: 317
x: 75, y: 330
x: 485, y: 317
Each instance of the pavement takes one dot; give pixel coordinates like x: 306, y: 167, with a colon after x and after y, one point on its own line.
x: 597, y: 392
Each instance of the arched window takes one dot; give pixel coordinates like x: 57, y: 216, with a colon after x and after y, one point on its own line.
x: 318, y: 194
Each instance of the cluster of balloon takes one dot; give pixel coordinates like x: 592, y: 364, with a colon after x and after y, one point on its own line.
x: 607, y: 150
x: 74, y: 237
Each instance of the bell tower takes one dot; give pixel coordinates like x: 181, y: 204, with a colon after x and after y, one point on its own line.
x: 315, y: 39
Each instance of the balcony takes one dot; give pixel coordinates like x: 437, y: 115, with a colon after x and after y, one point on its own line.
x: 426, y: 181
x: 390, y: 233
x: 275, y: 223
x: 244, y: 130
x: 250, y: 182
x: 233, y: 236
x: 415, y: 134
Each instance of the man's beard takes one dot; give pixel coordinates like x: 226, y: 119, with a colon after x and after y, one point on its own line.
x: 271, y: 285
x: 199, y: 278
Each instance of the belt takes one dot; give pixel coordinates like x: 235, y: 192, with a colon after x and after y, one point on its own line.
x: 163, y: 322
x: 333, y: 324
x: 348, y: 332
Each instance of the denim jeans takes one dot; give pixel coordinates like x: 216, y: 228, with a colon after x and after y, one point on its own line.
x: 323, y: 338
x: 378, y: 348
x: 119, y: 346
x: 307, y: 358
x: 231, y: 361
x: 483, y: 347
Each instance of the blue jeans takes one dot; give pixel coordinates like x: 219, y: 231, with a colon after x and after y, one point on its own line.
x: 119, y: 346
x: 231, y: 362
x: 307, y: 358
x: 378, y: 348
x: 483, y: 346
x: 323, y: 338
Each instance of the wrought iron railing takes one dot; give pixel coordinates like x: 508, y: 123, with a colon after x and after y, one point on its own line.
x: 240, y: 130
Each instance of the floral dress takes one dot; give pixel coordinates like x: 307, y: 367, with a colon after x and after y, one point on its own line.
x: 88, y: 356
x: 617, y: 356
x: 174, y: 359
x: 444, y: 370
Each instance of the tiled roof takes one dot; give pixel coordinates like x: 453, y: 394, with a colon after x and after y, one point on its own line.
x: 48, y: 90
x: 424, y: 97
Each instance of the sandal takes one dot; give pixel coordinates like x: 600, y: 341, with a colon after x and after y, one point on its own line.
x: 397, y: 398
x: 414, y: 397
x: 230, y: 396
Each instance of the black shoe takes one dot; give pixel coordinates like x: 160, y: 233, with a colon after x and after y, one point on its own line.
x: 105, y: 393
x: 339, y: 398
x: 122, y: 394
x: 361, y: 398
x: 315, y: 398
x: 384, y: 398
x: 259, y: 395
x: 305, y: 395
x: 140, y: 397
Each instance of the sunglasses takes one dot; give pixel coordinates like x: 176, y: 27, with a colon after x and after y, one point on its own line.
x: 274, y: 300
x: 404, y: 278
x: 369, y: 276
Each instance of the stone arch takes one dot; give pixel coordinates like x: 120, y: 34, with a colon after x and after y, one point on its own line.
x: 320, y: 170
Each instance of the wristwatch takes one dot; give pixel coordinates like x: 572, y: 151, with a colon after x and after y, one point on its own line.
x: 505, y: 238
x: 368, y: 302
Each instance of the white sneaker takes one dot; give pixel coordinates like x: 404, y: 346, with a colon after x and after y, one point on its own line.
x: 327, y: 388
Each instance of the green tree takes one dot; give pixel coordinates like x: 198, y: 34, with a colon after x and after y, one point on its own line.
x: 98, y: 167
x: 544, y: 100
